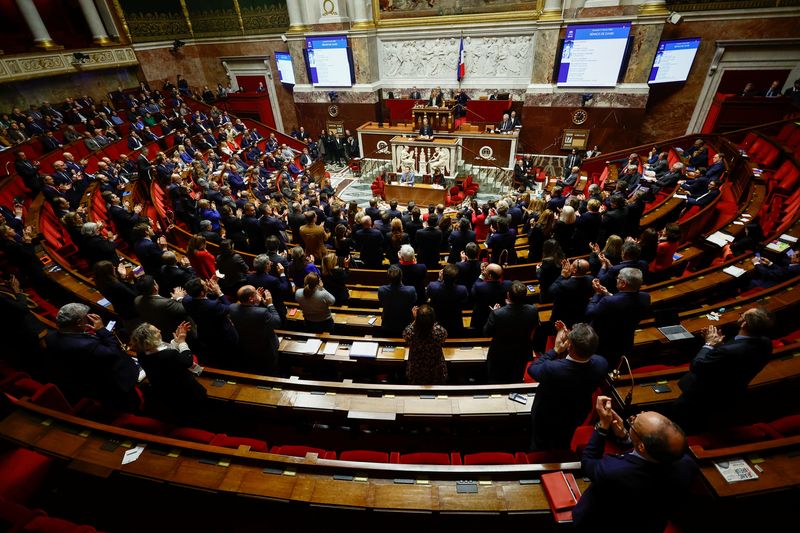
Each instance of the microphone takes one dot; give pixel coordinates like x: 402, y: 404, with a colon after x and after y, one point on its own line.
x: 615, y: 374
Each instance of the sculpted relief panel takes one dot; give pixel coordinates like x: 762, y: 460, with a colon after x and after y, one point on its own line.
x: 435, y: 60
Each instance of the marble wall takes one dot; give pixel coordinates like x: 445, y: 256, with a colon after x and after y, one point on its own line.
x: 200, y: 65
x: 670, y: 107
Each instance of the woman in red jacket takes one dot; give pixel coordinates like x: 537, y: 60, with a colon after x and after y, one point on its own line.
x: 668, y: 243
x: 201, y: 260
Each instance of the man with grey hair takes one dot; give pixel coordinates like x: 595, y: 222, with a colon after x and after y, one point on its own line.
x: 414, y: 274
x: 85, y: 360
x: 568, y: 375
x: 255, y: 319
x: 94, y: 247
x: 615, y: 317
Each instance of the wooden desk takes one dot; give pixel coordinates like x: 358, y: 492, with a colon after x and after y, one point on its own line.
x: 307, y: 480
x: 421, y: 193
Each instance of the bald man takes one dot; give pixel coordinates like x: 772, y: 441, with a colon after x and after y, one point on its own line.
x: 638, y: 490
x: 488, y: 291
x: 571, y: 292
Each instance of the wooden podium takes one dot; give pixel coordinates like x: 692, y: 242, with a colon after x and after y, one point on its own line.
x: 440, y: 118
x: 421, y: 193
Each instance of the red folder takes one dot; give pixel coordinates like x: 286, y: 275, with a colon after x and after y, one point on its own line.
x: 562, y: 493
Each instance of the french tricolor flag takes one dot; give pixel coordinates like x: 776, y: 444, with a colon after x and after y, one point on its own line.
x: 461, y: 71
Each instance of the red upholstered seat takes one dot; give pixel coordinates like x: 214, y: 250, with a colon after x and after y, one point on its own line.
x: 364, y: 456
x: 234, y: 442
x: 551, y: 456
x: 490, y: 458
x: 24, y: 387
x: 424, y: 458
x: 22, y: 473
x: 192, y: 435
x: 734, y: 436
x: 581, y: 438
x: 51, y: 397
x: 788, y: 426
x: 145, y: 424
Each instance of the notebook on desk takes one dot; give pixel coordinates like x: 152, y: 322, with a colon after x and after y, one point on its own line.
x: 669, y: 324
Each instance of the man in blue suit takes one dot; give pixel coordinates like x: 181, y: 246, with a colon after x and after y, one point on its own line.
x: 568, y: 375
x: 255, y: 319
x: 216, y: 333
x: 719, y: 373
x: 448, y: 299
x: 511, y: 329
x: 715, y: 171
x: 85, y: 360
x: 489, y: 290
x: 396, y: 300
x: 615, y: 317
x: 638, y: 490
x: 631, y: 251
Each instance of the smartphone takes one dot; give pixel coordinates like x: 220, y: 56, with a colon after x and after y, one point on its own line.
x: 111, y: 324
x: 758, y: 256
x: 531, y: 288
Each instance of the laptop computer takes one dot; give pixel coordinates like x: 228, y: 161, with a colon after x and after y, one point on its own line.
x: 669, y: 324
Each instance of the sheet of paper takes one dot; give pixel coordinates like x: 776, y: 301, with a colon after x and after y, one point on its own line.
x: 312, y: 346
x: 364, y: 349
x: 734, y: 271
x: 330, y: 348
x: 132, y: 454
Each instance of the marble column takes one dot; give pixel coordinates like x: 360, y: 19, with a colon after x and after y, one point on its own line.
x: 297, y: 23
x: 653, y: 7
x: 99, y: 34
x: 41, y: 37
x: 361, y: 10
x: 551, y: 10
x: 108, y: 19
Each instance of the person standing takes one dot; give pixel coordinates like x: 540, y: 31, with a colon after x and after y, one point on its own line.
x: 511, y: 328
x: 315, y: 302
x: 615, y: 317
x: 651, y: 480
x: 397, y: 301
x: 174, y: 390
x: 255, y: 319
x: 425, y: 337
x: 448, y: 300
x: 719, y: 373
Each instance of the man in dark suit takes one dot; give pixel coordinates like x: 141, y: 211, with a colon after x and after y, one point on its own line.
x: 571, y: 292
x: 426, y: 130
x: 568, y: 375
x: 173, y: 274
x: 448, y: 299
x: 148, y: 252
x: 143, y: 166
x: 506, y: 124
x: 164, y: 313
x: 428, y: 243
x: 255, y: 319
x: 719, y: 373
x: 397, y: 301
x: 414, y: 274
x: 29, y: 171
x: 651, y: 480
x: 573, y: 160
x: 488, y: 291
x: 767, y: 273
x: 631, y: 251
x: 511, y: 328
x: 369, y: 242
x: 631, y: 177
x: 469, y: 268
x: 669, y: 179
x: 85, y: 360
x: 94, y: 247
x: 215, y: 332
x: 615, y: 220
x: 372, y: 211
x: 615, y: 316
x: 415, y: 94
x: 278, y: 286
x: 716, y: 169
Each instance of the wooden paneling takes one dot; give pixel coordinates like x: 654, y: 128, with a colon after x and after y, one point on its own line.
x: 314, y: 116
